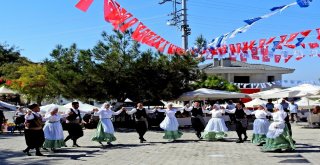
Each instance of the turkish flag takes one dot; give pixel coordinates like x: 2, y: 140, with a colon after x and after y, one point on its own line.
x: 161, y: 48
x: 180, y: 51
x: 122, y: 17
x: 298, y: 58
x: 288, y: 58
x: 318, y: 31
x: 238, y: 47
x: 157, y: 43
x: 125, y: 26
x: 264, y: 51
x: 305, y: 33
x: 279, y: 46
x: 282, y: 38
x: 148, y: 37
x: 292, y: 37
x: 254, y: 51
x: 214, y: 51
x: 270, y: 40
x: 223, y: 50
x: 232, y: 49
x: 245, y: 47
x: 111, y: 11
x: 262, y: 42
x: 243, y: 57
x: 84, y: 5
x: 265, y: 58
x: 290, y: 46
x: 313, y: 45
x: 172, y: 49
x: 136, y: 34
x: 277, y: 58
x: 233, y: 57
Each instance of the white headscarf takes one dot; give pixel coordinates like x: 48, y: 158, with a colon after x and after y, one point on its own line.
x: 52, y: 108
x: 216, y: 106
x: 104, y: 105
x: 263, y: 105
x: 283, y: 114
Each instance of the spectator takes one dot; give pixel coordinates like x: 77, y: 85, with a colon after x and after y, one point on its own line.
x: 2, y: 119
x: 270, y: 105
x: 293, y: 108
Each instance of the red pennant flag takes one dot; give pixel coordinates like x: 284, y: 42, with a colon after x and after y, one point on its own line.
x: 305, y: 33
x: 298, y: 58
x: 222, y: 50
x: 238, y: 47
x: 171, y: 49
x: 122, y: 17
x: 292, y: 37
x: 180, y: 51
x: 148, y: 37
x: 214, y: 52
x: 262, y: 42
x: 124, y: 27
x: 277, y: 58
x: 282, y: 38
x: 279, y: 47
x: 157, y: 43
x: 153, y: 40
x: 243, y: 58
x: 290, y: 46
x: 111, y: 11
x: 264, y: 51
x: 232, y: 49
x: 270, y: 40
x: 318, y: 31
x: 252, y: 43
x: 138, y: 31
x: 161, y: 48
x: 233, y: 57
x: 313, y: 45
x: 254, y: 51
x: 288, y: 58
x: 255, y: 57
x: 84, y: 5
x: 303, y: 45
x: 245, y: 47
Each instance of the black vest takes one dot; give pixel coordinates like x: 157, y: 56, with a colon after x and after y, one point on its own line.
x: 196, y: 111
x: 141, y: 113
x: 36, y: 122
x: 240, y: 114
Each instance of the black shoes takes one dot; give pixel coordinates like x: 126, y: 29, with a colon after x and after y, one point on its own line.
x: 245, y: 138
x: 39, y: 154
x: 239, y: 141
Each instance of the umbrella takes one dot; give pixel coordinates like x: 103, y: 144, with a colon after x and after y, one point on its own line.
x: 45, y: 108
x: 260, y: 94
x: 4, y: 90
x: 255, y: 102
x: 304, y: 102
x: 127, y: 100
x: 207, y: 94
x: 82, y: 106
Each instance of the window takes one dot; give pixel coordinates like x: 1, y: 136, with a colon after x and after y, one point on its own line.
x: 242, y: 79
x: 270, y: 78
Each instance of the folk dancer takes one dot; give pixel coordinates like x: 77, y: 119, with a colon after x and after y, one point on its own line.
x: 197, y: 120
x: 34, y: 135
x: 260, y: 125
x: 105, y: 129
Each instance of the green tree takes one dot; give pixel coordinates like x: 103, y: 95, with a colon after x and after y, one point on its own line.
x: 215, y: 82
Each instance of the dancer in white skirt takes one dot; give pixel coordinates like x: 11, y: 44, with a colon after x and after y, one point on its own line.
x: 260, y: 125
x: 216, y: 127
x: 105, y: 130
x: 52, y: 129
x: 170, y: 124
x: 278, y: 136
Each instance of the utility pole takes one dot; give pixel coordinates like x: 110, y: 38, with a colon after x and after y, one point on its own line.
x: 179, y: 19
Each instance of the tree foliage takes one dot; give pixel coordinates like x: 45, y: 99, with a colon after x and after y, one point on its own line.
x: 215, y: 82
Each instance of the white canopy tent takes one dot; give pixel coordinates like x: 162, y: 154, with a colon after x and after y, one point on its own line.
x: 45, y: 108
x: 82, y: 106
x: 4, y: 90
x: 255, y: 102
x: 260, y: 94
x: 304, y: 102
x: 208, y: 94
x: 127, y: 100
x: 297, y: 91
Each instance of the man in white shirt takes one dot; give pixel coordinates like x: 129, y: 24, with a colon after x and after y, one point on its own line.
x: 293, y: 108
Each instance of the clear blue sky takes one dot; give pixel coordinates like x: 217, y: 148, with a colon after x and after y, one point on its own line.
x: 37, y: 26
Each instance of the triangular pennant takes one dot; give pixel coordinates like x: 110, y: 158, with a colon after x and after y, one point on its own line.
x: 84, y: 5
x: 305, y: 33
x: 277, y: 58
x: 283, y: 38
x: 262, y: 42
x: 288, y: 58
x: 127, y: 25
x: 252, y: 43
x: 270, y: 40
x: 290, y: 46
x: 313, y: 45
x: 318, y: 31
x: 292, y: 37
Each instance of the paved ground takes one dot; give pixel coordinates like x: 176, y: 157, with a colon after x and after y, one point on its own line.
x: 127, y: 150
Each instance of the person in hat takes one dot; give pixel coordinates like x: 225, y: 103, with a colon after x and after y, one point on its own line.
x: 53, y: 131
x: 170, y: 123
x: 278, y: 136
x: 34, y: 134
x: 260, y: 125
x: 216, y: 128
x: 105, y: 129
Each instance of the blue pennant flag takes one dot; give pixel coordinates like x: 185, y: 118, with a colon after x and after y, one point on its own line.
x: 252, y: 20
x: 303, y: 3
x: 299, y: 41
x: 275, y: 44
x: 277, y: 8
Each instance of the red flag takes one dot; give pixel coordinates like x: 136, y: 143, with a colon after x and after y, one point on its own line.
x: 180, y: 51
x: 121, y: 18
x: 111, y: 11
x: 277, y: 58
x: 305, y: 33
x: 254, y: 51
x: 262, y: 42
x: 303, y: 45
x: 222, y: 50
x: 298, y: 58
x: 265, y: 58
x: 238, y: 47
x: 214, y: 52
x: 282, y: 38
x: 264, y: 51
x: 290, y: 46
x: 252, y: 43
x: 171, y: 49
x: 243, y: 58
x: 136, y: 34
x: 157, y: 43
x: 148, y: 37
x: 161, y: 48
x: 84, y: 5
x: 270, y: 40
x: 279, y: 47
x: 232, y: 49
x: 318, y: 31
x: 288, y: 58
x: 124, y: 27
x: 292, y: 37
x: 313, y: 45
x: 245, y: 47
x: 255, y: 57
x: 233, y: 57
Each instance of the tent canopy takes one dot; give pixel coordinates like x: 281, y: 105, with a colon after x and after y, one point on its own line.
x: 260, y: 94
x: 4, y: 90
x: 82, y: 106
x: 304, y: 102
x: 255, y: 102
x: 45, y: 108
x: 209, y: 94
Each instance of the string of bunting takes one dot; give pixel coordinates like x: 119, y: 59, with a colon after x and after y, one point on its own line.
x: 282, y: 47
x: 279, y: 83
x: 122, y: 20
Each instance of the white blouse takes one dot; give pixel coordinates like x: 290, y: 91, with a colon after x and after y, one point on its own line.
x: 53, y: 118
x: 216, y: 113
x: 134, y: 110
x: 260, y: 114
x: 279, y: 116
x: 31, y: 116
x: 106, y: 113
x: 169, y: 113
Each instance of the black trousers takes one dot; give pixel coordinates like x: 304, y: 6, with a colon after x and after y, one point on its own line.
x: 197, y: 125
x: 141, y: 128
x: 34, y: 138
x: 240, y: 129
x: 75, y: 132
